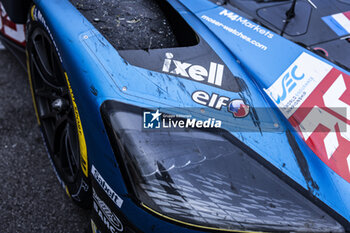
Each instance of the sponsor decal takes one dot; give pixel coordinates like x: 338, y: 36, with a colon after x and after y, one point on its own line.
x: 82, y: 143
x: 319, y: 109
x: 235, y: 32
x: 196, y: 72
x: 339, y: 23
x: 245, y: 22
x: 237, y: 107
x: 110, y: 220
x: 106, y: 188
x: 291, y: 89
x: 15, y: 32
x: 38, y: 16
x: 157, y: 120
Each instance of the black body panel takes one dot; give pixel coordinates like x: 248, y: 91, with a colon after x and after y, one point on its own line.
x: 17, y: 10
x: 306, y: 27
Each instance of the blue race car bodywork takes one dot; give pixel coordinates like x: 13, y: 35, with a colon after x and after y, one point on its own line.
x: 289, y: 122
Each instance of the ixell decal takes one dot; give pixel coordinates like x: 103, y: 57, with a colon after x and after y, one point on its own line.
x: 213, y: 75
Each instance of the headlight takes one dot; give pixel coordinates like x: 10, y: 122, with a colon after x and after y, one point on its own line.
x: 202, y: 179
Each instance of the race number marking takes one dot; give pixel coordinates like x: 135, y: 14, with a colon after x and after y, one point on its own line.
x: 15, y: 32
x: 318, y: 106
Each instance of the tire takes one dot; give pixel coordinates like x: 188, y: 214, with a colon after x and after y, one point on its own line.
x: 56, y: 113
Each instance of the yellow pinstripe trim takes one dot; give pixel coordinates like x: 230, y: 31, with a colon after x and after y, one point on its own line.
x: 194, y: 225
x: 32, y: 12
x: 82, y: 143
x: 31, y: 88
x: 67, y: 191
x: 93, y: 226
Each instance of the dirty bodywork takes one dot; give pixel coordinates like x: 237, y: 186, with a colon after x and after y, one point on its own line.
x: 262, y: 159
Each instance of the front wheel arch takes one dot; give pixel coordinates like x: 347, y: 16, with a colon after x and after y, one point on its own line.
x: 54, y: 103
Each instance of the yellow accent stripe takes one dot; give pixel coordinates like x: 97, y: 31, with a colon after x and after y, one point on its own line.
x: 82, y: 143
x: 32, y: 12
x: 194, y: 225
x: 31, y: 89
x: 67, y: 191
x: 93, y: 226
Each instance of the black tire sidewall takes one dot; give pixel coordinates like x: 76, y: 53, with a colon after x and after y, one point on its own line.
x: 80, y: 189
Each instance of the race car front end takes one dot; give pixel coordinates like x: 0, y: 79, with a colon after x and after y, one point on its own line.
x: 219, y: 136
x: 205, y: 178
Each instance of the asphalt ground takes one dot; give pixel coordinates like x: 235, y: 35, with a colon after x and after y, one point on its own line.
x: 31, y: 199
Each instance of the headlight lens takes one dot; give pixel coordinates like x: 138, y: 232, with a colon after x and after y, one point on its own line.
x: 202, y: 179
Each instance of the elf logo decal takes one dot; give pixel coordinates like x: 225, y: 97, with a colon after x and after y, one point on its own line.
x: 110, y: 220
x: 236, y: 106
x: 195, y: 72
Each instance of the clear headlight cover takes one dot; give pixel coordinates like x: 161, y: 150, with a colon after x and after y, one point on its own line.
x: 202, y: 179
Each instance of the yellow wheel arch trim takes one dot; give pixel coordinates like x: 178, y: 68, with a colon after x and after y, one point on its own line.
x: 93, y: 226
x: 32, y: 12
x: 67, y: 191
x: 81, y: 137
x: 82, y: 143
x: 31, y: 88
x: 194, y: 225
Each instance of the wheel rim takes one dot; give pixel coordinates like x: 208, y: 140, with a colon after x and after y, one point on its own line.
x: 54, y: 105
